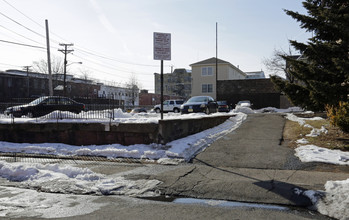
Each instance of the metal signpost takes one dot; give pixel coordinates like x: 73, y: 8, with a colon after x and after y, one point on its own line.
x: 162, y: 51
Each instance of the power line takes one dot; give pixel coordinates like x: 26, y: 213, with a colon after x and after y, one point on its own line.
x: 78, y: 48
x: 21, y: 25
x: 113, y: 59
x: 26, y: 45
x: 19, y: 34
x: 108, y: 66
x: 23, y: 14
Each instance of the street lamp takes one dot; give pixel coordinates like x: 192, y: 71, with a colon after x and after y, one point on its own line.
x: 65, y: 74
x: 74, y: 63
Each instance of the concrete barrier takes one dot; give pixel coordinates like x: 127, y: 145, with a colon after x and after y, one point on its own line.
x: 106, y: 133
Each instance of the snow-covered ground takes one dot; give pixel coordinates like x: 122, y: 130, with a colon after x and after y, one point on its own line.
x: 64, y: 178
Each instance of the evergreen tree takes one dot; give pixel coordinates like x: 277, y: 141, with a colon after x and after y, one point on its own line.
x: 323, y: 72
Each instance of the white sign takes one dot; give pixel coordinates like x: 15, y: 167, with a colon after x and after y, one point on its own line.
x: 162, y: 46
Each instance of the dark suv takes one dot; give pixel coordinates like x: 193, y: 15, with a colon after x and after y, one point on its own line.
x: 45, y: 105
x: 204, y: 104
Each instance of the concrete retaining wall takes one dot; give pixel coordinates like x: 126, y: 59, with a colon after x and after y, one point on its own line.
x: 97, y: 134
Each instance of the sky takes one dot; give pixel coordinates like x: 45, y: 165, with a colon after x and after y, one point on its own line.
x: 69, y: 179
x: 114, y: 39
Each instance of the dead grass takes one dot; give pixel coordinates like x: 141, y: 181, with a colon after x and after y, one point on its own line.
x: 334, y: 139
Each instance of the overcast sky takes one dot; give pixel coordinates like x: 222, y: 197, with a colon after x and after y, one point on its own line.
x: 114, y: 38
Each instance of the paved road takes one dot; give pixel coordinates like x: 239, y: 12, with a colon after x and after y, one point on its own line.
x: 252, y: 164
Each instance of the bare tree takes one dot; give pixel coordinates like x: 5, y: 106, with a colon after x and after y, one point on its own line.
x: 85, y: 74
x: 57, y: 65
x: 87, y: 91
x: 133, y: 86
x: 277, y: 64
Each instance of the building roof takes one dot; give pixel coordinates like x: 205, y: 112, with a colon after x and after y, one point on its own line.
x: 211, y: 61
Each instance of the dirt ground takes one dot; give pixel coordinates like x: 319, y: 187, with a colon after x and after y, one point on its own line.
x: 334, y: 139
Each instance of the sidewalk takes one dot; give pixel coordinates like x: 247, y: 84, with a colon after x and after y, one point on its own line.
x: 252, y: 164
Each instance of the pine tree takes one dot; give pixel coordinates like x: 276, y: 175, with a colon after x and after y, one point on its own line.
x: 323, y: 73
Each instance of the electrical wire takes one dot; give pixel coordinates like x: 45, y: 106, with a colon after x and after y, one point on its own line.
x: 78, y: 48
x: 20, y: 44
x: 20, y: 35
x: 81, y: 49
x: 21, y: 25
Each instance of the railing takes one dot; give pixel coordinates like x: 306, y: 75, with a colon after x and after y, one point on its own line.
x: 91, y: 111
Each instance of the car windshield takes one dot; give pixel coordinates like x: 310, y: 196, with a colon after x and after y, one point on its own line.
x: 222, y: 102
x: 197, y: 99
x: 37, y: 101
x: 244, y: 102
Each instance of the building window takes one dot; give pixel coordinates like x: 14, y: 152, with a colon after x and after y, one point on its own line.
x: 207, y: 88
x: 207, y: 71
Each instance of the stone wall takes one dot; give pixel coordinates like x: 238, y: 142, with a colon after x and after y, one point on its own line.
x: 108, y: 133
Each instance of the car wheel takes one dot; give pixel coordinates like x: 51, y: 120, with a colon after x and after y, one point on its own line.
x: 157, y: 110
x: 176, y: 110
x: 207, y: 111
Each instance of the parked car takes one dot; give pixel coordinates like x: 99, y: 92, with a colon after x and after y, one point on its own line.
x: 45, y: 105
x: 244, y: 103
x: 223, y: 106
x: 204, y: 104
x: 169, y: 106
x: 139, y: 110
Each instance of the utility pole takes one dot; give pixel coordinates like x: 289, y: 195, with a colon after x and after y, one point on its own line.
x: 50, y: 87
x: 65, y: 51
x: 216, y: 59
x: 27, y: 68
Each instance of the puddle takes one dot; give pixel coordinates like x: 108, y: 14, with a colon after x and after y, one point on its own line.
x: 216, y: 203
x: 223, y: 203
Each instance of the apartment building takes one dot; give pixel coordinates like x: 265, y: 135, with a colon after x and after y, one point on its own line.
x: 204, y: 79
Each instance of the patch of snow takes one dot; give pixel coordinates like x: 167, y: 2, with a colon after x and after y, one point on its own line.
x: 16, y: 202
x: 317, y: 132
x: 67, y: 179
x: 312, y: 153
x: 301, y: 121
x: 302, y: 141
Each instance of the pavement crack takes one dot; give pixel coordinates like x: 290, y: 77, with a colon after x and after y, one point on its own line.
x: 184, y: 175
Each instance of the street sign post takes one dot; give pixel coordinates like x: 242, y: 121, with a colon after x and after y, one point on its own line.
x: 162, y: 46
x: 162, y: 51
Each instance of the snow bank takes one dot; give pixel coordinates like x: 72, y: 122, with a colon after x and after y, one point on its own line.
x: 184, y: 148
x: 276, y: 110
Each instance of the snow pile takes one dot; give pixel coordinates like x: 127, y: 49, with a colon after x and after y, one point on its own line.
x: 334, y: 202
x: 241, y: 109
x: 67, y: 179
